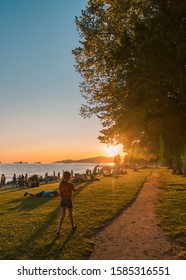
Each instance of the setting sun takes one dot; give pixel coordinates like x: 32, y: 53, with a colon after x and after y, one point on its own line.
x: 113, y: 150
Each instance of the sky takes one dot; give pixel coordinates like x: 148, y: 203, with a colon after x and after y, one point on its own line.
x: 40, y: 98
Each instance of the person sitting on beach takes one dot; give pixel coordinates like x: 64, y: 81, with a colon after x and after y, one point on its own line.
x: 79, y: 178
x: 34, y: 182
x: 20, y: 181
x: 46, y: 176
x: 43, y: 194
x: 66, y: 189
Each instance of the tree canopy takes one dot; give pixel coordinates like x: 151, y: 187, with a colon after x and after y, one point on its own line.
x: 132, y: 58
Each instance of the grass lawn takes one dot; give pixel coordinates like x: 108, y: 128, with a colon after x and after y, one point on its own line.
x: 172, y: 207
x: 28, y: 225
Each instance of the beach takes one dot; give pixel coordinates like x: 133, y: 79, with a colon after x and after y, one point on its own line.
x: 8, y: 169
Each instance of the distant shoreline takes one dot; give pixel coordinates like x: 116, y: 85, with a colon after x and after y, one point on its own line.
x: 95, y: 160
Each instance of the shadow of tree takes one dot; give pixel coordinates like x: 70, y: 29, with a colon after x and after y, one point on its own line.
x: 7, y: 191
x: 26, y: 248
x: 22, y: 250
x: 12, y: 201
x: 29, y: 203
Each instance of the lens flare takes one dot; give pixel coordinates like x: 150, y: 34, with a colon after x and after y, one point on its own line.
x: 113, y: 150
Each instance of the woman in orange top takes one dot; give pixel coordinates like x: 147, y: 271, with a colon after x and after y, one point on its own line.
x: 66, y: 189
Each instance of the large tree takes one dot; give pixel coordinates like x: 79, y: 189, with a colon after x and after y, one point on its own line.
x: 132, y: 59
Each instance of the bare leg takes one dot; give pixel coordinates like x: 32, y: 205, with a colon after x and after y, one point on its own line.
x: 63, y: 211
x: 71, y: 217
x: 31, y: 194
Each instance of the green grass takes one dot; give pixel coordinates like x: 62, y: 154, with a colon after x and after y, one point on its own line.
x: 28, y: 225
x: 171, y: 209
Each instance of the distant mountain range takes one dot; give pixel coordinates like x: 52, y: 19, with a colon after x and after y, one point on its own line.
x: 88, y: 160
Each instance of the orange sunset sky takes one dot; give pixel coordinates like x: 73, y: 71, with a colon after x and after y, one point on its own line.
x: 39, y: 87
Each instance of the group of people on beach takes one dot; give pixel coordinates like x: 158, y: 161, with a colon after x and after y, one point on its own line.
x: 20, y: 181
x: 35, y: 180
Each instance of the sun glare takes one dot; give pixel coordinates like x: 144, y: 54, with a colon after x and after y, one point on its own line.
x: 113, y: 150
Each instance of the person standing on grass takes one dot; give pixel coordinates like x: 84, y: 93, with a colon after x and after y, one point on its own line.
x: 14, y: 180
x: 26, y: 180
x: 66, y: 189
x: 3, y: 180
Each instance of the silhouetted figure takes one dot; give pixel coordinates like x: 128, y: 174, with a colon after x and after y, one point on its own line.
x: 66, y: 189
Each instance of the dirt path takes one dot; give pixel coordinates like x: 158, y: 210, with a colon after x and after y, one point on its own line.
x: 135, y: 235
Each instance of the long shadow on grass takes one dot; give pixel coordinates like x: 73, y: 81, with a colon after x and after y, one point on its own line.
x: 23, y: 249
x: 29, y: 203
x: 80, y: 189
x: 13, y: 201
x: 59, y: 250
x: 7, y: 191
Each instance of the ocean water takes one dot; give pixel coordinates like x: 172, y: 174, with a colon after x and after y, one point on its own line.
x: 40, y: 169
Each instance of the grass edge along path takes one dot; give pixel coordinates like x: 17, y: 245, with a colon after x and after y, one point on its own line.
x: 28, y: 225
x: 171, y: 209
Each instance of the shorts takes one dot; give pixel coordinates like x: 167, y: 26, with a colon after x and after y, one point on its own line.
x: 66, y: 203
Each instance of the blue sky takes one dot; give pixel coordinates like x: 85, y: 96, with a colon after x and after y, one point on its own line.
x: 39, y: 87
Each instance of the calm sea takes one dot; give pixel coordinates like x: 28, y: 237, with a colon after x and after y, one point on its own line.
x: 40, y: 169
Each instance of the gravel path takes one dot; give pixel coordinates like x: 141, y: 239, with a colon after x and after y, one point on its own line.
x: 135, y: 235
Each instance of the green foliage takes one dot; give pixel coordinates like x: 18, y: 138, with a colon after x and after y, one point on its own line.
x: 172, y: 208
x: 132, y: 59
x: 117, y: 160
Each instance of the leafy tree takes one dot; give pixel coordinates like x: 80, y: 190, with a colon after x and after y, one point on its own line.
x: 133, y: 61
x: 117, y: 160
